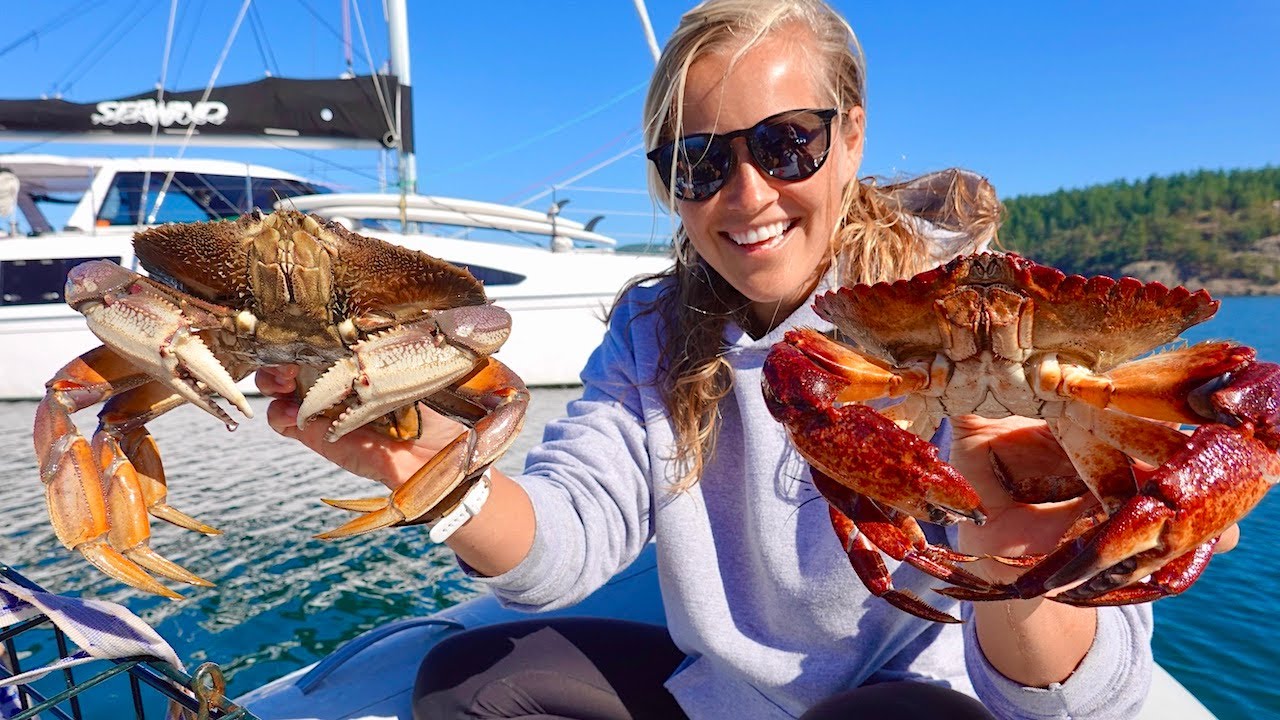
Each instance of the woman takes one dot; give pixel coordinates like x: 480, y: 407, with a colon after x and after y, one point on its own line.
x: 671, y: 440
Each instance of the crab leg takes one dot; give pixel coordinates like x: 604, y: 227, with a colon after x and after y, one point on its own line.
x: 897, y: 534
x: 496, y: 396
x: 864, y: 557
x: 1160, y: 387
x: 73, y: 473
x: 863, y: 378
x: 1104, y: 469
x: 130, y: 495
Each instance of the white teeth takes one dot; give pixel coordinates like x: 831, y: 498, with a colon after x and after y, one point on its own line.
x: 759, y: 234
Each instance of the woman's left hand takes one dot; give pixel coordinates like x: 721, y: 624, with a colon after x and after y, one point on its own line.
x: 1025, y: 448
x: 1033, y: 642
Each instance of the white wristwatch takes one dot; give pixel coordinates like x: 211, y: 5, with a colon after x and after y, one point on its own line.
x: 467, y: 509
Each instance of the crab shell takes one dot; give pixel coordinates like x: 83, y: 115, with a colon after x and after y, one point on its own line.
x: 376, y: 328
x: 997, y: 335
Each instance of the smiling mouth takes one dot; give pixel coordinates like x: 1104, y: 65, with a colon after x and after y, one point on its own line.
x: 762, y: 234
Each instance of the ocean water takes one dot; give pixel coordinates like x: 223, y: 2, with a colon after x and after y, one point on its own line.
x: 285, y: 600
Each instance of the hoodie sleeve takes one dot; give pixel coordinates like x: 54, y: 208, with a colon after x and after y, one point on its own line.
x: 589, y: 478
x: 1111, y: 682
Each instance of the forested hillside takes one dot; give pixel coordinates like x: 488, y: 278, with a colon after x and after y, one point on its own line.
x: 1213, y: 229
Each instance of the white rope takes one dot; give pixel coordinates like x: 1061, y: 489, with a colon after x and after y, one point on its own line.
x: 208, y: 90
x: 155, y: 129
x: 598, y: 166
x: 393, y: 124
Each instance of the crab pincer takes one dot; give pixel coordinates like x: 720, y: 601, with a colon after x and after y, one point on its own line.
x: 378, y: 328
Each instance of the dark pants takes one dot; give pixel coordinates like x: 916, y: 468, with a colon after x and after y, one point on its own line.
x: 600, y: 669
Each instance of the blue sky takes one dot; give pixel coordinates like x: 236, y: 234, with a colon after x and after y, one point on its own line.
x: 512, y: 97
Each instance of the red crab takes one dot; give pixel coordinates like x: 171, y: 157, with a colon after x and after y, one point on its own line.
x: 377, y: 328
x: 997, y: 335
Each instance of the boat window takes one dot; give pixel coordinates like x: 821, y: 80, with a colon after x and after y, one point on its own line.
x: 492, y: 276
x: 39, y: 281
x: 191, y: 197
x: 267, y: 191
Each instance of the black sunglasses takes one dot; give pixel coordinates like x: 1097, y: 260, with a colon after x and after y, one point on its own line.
x: 791, y: 145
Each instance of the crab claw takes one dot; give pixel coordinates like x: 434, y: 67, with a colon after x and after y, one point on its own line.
x: 153, y: 334
x: 1213, y: 482
x: 396, y: 368
x: 490, y: 399
x: 1252, y: 395
x: 854, y: 444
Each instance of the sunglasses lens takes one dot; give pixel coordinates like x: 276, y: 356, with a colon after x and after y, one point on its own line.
x: 792, y: 146
x: 701, y: 164
x: 787, y: 146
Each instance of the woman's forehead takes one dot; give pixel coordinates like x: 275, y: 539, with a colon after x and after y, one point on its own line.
x: 728, y: 89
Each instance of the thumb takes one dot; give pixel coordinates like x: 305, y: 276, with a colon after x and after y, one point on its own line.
x: 282, y: 416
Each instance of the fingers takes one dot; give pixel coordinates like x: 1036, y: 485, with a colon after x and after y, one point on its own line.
x: 282, y: 416
x: 1228, y: 540
x: 277, y: 380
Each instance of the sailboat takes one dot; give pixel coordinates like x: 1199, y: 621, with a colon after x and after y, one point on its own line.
x: 557, y: 277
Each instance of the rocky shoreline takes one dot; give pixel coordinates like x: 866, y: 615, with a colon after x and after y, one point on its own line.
x: 1167, y: 274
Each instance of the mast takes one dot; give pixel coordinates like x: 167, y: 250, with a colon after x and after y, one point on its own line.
x: 398, y: 45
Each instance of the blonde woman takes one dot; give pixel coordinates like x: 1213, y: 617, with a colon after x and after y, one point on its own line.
x: 755, y: 121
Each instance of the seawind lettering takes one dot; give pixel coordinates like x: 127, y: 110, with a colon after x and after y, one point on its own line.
x: 149, y: 112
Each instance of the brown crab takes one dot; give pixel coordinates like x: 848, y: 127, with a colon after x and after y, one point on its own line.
x: 998, y: 335
x: 377, y: 328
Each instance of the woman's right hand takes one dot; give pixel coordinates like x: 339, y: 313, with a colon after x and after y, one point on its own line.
x: 491, y: 543
x: 363, y: 452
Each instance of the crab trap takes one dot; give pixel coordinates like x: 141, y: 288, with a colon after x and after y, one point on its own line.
x: 74, y: 659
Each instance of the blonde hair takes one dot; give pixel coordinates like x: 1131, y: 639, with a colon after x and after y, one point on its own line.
x: 875, y: 241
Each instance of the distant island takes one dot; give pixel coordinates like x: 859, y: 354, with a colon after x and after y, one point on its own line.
x: 1218, y: 230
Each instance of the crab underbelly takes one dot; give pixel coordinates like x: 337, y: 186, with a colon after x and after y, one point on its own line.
x: 313, y: 349
x: 297, y: 353
x: 990, y: 386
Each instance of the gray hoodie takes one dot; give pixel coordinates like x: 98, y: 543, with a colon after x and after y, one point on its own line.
x: 757, y: 590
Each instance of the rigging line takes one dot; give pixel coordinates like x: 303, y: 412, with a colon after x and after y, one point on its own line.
x: 545, y: 179
x: 59, y: 85
x: 186, y: 46
x: 649, y: 38
x: 596, y: 188
x: 164, y: 76
x: 320, y: 19
x: 393, y: 124
x: 546, y: 133
x: 346, y: 38
x: 259, y: 31
x: 35, y: 34
x: 164, y: 62
x: 598, y: 166
x: 324, y: 160
x: 208, y: 90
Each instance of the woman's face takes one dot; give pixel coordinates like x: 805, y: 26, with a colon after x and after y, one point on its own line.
x: 769, y: 238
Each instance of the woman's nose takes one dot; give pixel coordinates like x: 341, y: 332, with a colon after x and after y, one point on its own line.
x: 748, y: 186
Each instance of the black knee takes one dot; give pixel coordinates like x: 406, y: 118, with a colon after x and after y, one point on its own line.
x: 901, y: 701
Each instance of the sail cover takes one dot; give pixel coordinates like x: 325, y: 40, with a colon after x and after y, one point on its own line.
x: 277, y: 112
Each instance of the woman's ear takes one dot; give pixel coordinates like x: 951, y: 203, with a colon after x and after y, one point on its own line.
x: 853, y: 133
